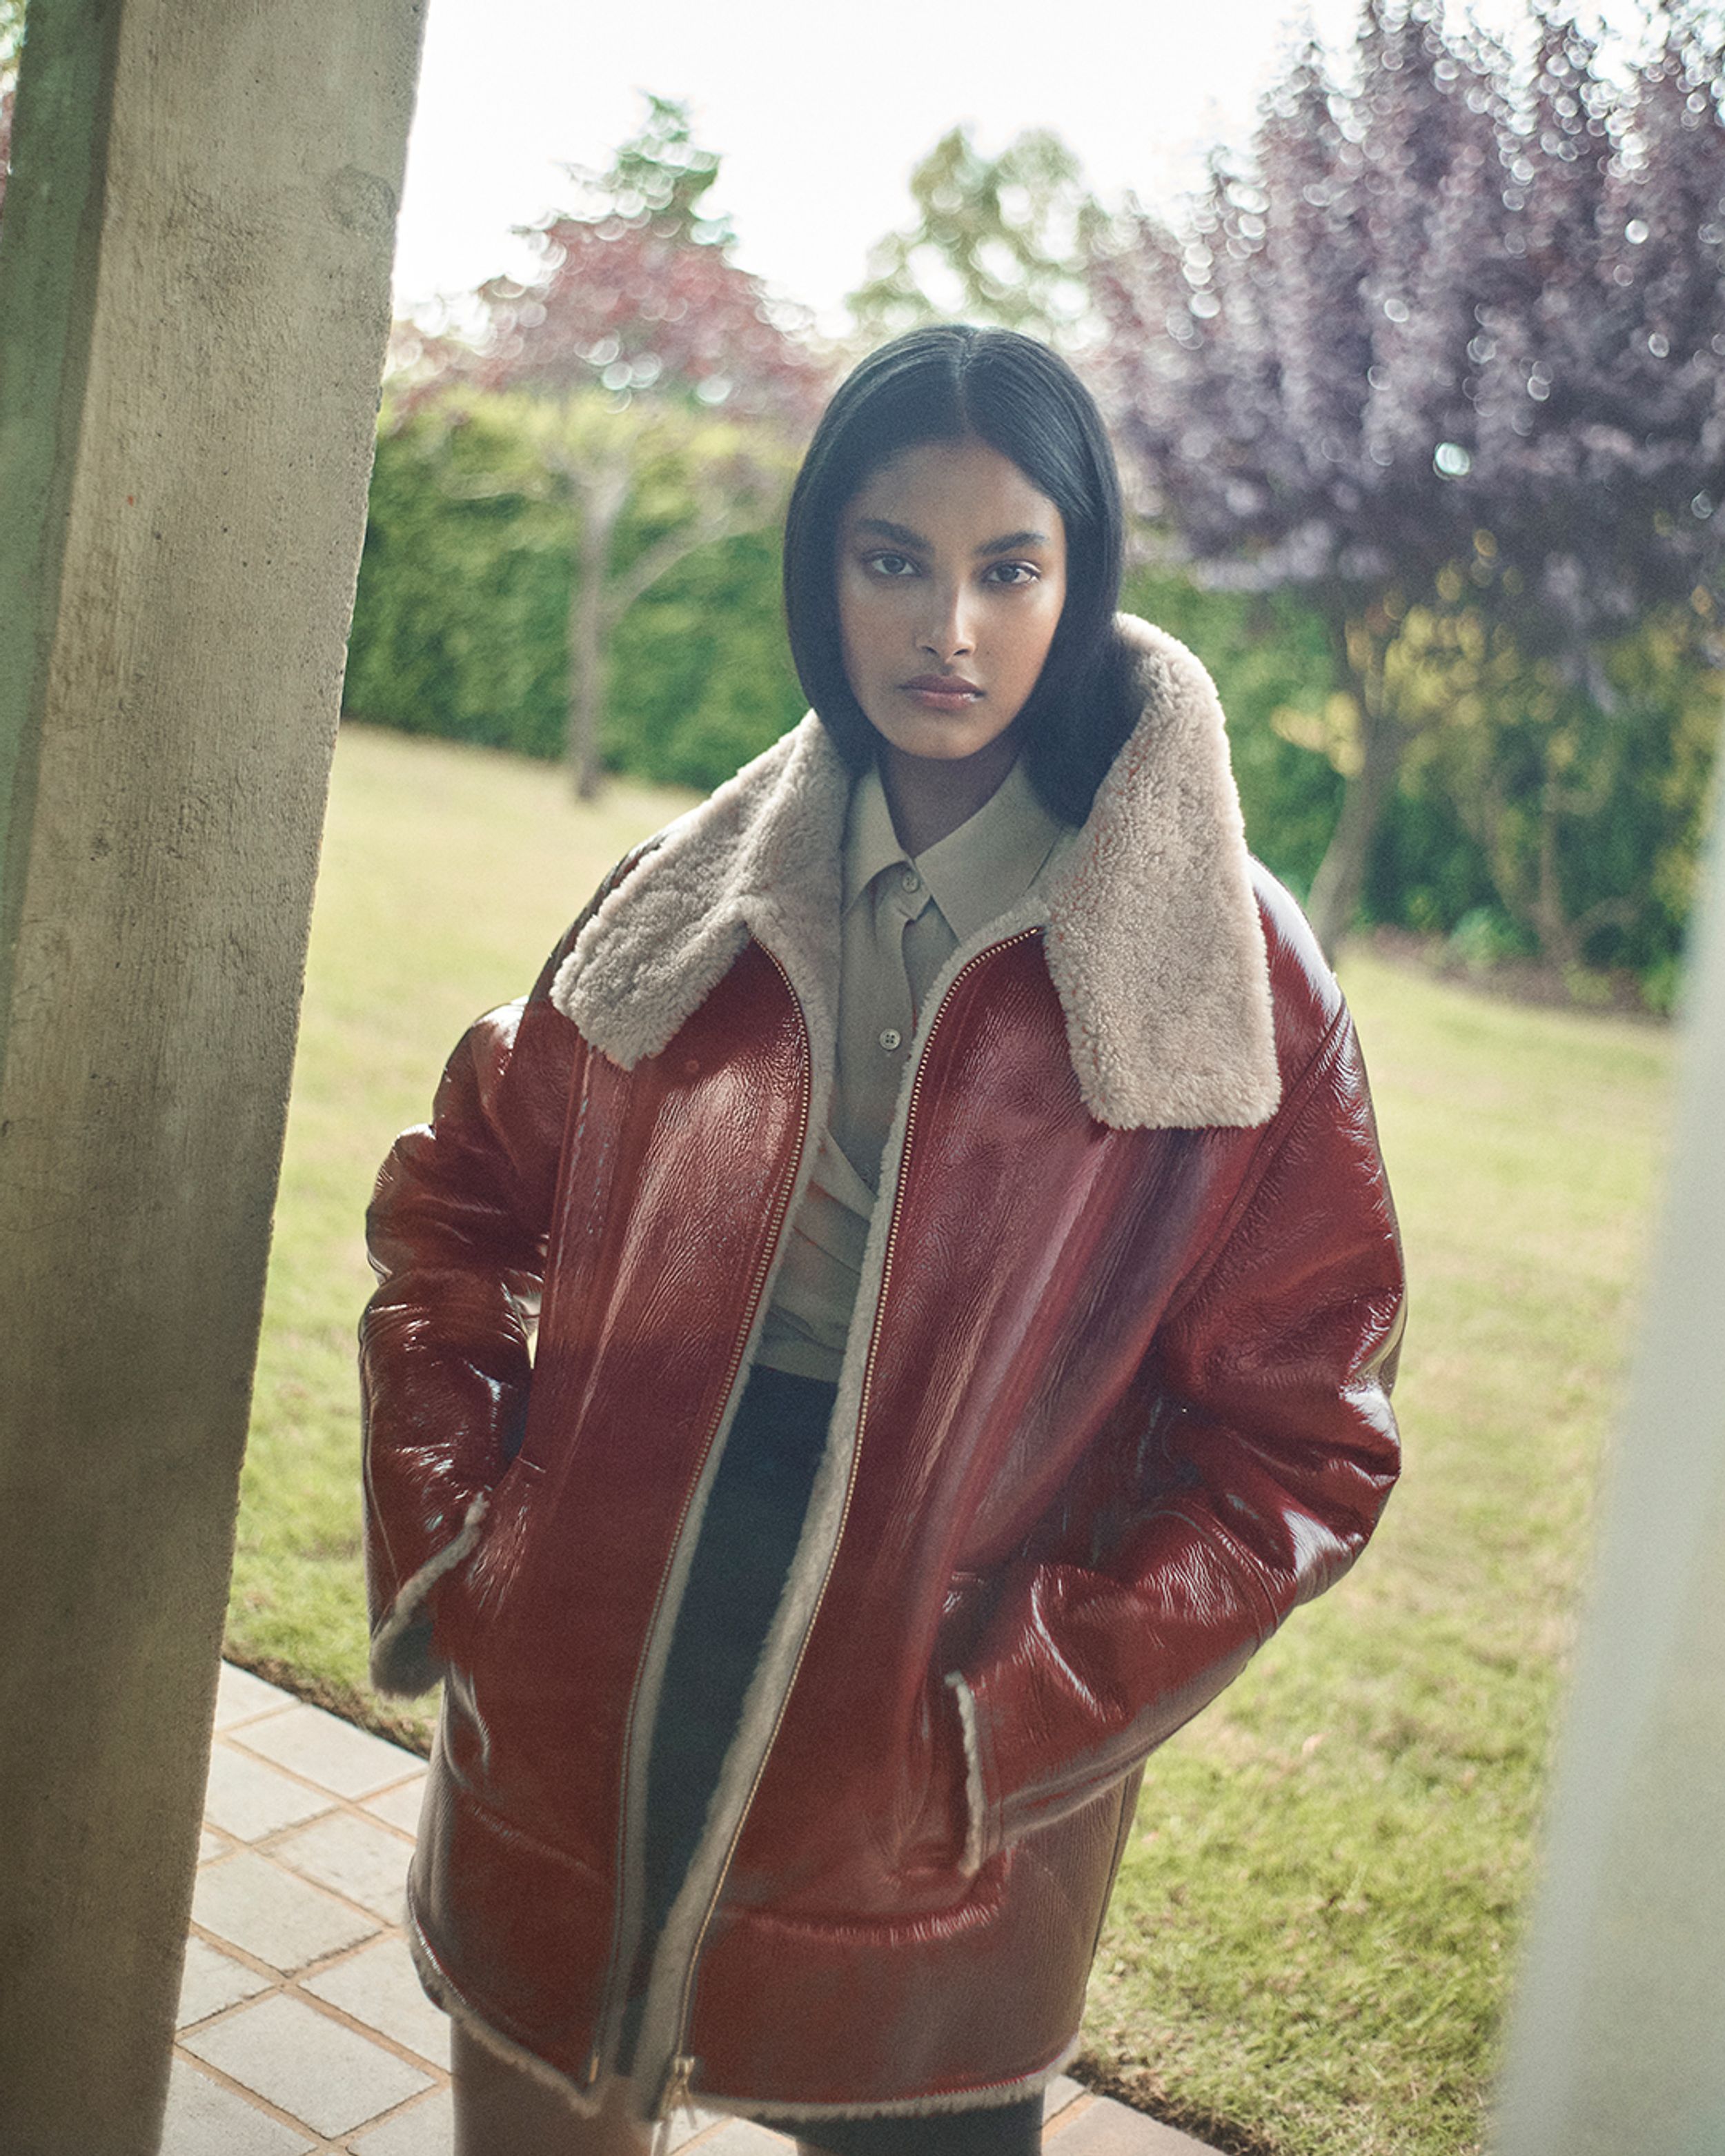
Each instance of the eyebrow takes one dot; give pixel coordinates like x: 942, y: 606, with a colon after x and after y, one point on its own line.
x: 1012, y: 542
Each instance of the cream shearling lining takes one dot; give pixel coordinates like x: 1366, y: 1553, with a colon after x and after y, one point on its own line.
x: 1151, y: 931
x: 993, y: 2098
x: 976, y: 1802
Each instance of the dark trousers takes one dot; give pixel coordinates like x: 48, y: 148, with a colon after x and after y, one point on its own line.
x: 748, y: 1536
x: 1006, y: 2129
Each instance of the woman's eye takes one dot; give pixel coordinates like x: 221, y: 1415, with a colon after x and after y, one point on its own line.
x: 892, y: 565
x: 1013, y: 573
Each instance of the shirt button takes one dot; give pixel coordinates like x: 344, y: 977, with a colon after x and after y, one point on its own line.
x: 911, y: 880
x: 891, y: 1038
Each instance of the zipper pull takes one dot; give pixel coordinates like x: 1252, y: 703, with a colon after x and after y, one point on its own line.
x: 674, y: 2093
x: 675, y: 2090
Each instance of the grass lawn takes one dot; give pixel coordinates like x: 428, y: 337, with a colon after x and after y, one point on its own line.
x: 1317, y: 1921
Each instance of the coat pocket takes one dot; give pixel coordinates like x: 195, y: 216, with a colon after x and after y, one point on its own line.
x: 964, y: 1615
x: 471, y: 1601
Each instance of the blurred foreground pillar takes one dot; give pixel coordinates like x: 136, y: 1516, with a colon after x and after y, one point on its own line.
x: 1618, y: 2039
x: 194, y: 286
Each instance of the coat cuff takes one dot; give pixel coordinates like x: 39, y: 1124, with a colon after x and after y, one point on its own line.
x: 403, y: 1662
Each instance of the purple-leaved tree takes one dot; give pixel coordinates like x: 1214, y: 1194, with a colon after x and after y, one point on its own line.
x: 1445, y: 355
x: 656, y: 386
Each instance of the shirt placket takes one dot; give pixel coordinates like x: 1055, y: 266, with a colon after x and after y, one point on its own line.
x: 905, y: 899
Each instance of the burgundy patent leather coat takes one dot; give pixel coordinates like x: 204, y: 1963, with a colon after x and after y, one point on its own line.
x: 1115, y: 1402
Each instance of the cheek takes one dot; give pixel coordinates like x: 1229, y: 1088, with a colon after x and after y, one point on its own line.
x: 853, y: 608
x: 1040, y: 642
x: 869, y: 626
x: 853, y: 638
x: 847, y: 628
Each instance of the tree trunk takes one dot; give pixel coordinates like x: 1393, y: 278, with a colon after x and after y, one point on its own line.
x: 1560, y: 941
x: 587, y: 655
x: 600, y: 493
x: 1341, y: 874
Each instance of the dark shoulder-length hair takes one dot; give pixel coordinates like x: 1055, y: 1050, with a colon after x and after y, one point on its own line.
x: 946, y: 384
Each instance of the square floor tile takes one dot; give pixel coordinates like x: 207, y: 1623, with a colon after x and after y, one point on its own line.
x: 426, y: 2128
x: 248, y: 1799
x: 205, y: 2119
x: 213, y: 1980
x: 377, y: 1986
x: 328, y: 1751
x: 685, y: 2124
x: 272, y: 1914
x: 239, y: 1695
x: 742, y: 2137
x: 1059, y: 2094
x: 1108, y: 2129
x: 400, y: 1807
x: 211, y: 1846
x: 351, y: 1856
x: 307, y: 2064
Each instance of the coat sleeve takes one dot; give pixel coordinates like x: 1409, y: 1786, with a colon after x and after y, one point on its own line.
x: 1272, y: 1450
x: 457, y: 1232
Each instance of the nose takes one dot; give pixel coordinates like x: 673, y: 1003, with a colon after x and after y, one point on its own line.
x: 946, y: 632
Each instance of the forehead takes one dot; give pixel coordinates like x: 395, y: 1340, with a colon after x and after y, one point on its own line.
x: 959, y: 492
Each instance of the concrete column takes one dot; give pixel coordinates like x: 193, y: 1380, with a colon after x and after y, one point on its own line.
x: 1618, y: 2039
x: 193, y: 301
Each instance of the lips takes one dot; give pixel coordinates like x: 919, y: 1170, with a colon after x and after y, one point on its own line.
x: 942, y: 692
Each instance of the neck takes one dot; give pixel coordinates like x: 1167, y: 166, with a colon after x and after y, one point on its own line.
x: 929, y: 797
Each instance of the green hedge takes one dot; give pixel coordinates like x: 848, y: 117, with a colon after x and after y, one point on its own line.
x: 460, y: 624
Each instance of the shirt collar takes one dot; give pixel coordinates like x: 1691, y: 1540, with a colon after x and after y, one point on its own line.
x: 975, y: 872
x: 871, y: 843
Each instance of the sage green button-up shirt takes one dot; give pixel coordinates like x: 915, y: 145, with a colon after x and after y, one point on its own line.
x: 903, y: 919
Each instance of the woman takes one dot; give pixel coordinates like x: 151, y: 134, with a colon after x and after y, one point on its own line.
x: 969, y: 1294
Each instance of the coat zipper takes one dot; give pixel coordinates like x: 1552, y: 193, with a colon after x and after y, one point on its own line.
x: 605, y: 2039
x: 676, y: 2084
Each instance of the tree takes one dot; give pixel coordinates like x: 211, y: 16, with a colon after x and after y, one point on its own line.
x: 639, y: 295
x: 672, y: 388
x: 688, y: 480
x: 1262, y: 367
x: 1602, y: 412
x: 1591, y: 472
x: 1417, y: 363
x: 1001, y: 240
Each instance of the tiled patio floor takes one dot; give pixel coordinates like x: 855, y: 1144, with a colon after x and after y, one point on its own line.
x: 302, y: 2026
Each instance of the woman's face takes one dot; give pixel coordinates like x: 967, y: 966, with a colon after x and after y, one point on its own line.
x: 951, y: 576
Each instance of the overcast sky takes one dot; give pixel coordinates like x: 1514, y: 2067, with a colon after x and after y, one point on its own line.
x: 818, y: 112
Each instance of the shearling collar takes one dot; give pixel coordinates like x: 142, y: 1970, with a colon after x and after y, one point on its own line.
x: 1150, y: 928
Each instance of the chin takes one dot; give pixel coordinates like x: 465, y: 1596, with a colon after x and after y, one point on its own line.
x: 944, y: 752
x: 936, y: 743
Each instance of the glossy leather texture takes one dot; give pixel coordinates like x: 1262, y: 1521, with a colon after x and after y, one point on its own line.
x: 1126, y: 1406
